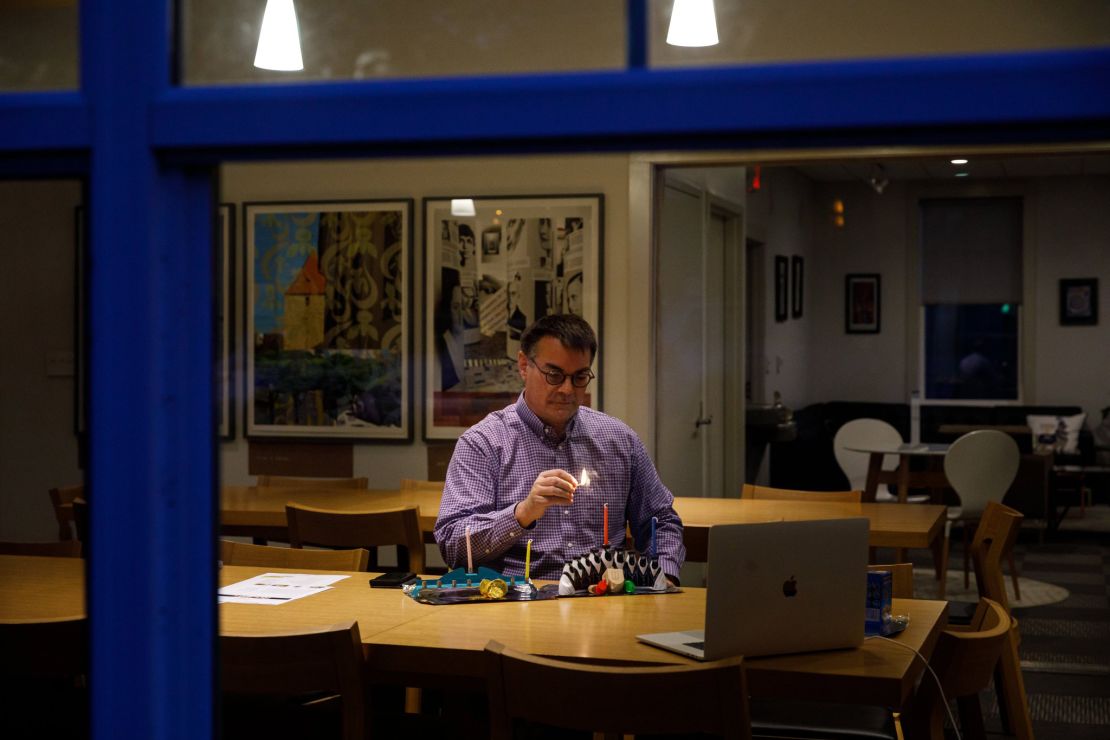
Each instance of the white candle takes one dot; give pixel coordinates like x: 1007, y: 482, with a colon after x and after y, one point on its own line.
x: 469, y: 553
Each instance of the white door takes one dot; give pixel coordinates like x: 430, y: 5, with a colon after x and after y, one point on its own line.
x: 691, y: 343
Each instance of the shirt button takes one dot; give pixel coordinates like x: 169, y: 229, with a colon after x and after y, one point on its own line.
x: 570, y: 545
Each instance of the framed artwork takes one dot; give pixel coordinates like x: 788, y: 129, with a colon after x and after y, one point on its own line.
x: 782, y: 287
x: 862, y: 303
x: 487, y: 277
x: 797, y: 278
x: 79, y: 360
x: 1079, y: 302
x: 225, y: 320
x: 328, y: 320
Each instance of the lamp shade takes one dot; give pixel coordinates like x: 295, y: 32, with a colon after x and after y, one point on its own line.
x: 279, y: 43
x: 693, y: 23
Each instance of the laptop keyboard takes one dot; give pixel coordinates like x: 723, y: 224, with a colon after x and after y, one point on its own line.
x: 695, y: 645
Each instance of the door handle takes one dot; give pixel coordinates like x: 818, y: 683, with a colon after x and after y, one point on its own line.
x: 701, y: 422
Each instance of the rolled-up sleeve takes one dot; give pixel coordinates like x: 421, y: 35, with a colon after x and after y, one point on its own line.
x: 648, y: 498
x: 470, y: 499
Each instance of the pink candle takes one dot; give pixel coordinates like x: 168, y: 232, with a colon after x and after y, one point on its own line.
x: 469, y: 554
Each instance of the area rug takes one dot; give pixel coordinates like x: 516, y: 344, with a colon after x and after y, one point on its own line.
x: 1033, y: 592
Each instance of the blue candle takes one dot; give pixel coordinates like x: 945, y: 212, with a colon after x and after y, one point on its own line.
x: 654, y: 551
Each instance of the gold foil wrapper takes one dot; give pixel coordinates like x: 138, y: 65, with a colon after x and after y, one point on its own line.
x: 493, y: 588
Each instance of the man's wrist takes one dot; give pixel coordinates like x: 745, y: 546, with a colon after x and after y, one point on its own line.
x: 523, y: 514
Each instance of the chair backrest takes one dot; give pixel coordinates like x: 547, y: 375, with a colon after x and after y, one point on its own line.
x: 281, y: 481
x: 901, y: 578
x: 863, y: 433
x: 239, y: 553
x: 786, y: 494
x: 350, y: 529
x: 709, y: 698
x: 55, y: 648
x: 409, y: 484
x: 62, y: 549
x: 61, y: 499
x: 980, y: 466
x: 329, y: 660
x: 994, y: 538
x: 964, y: 662
x: 81, y: 519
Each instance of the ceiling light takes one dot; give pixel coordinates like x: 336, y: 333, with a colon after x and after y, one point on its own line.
x: 878, y: 179
x: 959, y: 161
x: 462, y: 207
x: 693, y: 23
x: 961, y: 174
x: 279, y: 42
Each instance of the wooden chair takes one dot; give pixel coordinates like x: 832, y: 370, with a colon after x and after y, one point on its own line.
x: 786, y: 494
x: 238, y: 553
x: 351, y: 529
x: 980, y: 466
x: 964, y: 662
x: 280, y: 481
x: 710, y: 698
x: 62, y: 500
x: 295, y: 666
x: 81, y: 519
x: 994, y: 539
x: 63, y: 549
x: 43, y: 674
x: 901, y: 578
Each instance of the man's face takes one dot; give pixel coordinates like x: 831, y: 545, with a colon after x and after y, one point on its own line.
x: 554, y: 404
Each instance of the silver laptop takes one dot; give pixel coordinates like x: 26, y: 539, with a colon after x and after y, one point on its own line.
x: 779, y: 587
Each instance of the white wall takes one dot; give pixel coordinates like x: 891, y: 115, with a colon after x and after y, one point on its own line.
x: 38, y: 448
x: 624, y: 378
x: 1069, y: 237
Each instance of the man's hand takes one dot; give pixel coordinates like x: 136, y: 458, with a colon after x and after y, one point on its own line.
x: 552, y: 488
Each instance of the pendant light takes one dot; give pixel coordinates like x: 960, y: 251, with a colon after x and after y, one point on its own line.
x: 279, y: 43
x: 693, y: 23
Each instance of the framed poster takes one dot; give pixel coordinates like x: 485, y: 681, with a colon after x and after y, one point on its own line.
x: 488, y: 276
x: 225, y: 320
x: 1079, y: 302
x: 862, y: 304
x: 80, y: 362
x: 797, y: 283
x: 782, y: 287
x: 328, y: 320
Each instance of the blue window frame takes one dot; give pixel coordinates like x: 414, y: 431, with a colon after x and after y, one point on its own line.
x: 149, y: 150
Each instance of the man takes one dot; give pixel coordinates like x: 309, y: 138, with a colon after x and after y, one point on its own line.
x: 518, y: 474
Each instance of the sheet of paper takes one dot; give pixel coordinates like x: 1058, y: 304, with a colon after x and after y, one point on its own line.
x: 275, y: 588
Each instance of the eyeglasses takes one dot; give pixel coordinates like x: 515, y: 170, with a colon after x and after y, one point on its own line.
x: 580, y: 379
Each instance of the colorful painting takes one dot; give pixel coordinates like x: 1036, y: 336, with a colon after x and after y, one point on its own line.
x: 328, y: 320
x: 489, y: 275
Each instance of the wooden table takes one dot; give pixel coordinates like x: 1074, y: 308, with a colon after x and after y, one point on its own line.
x: 903, y: 477
x: 251, y: 511
x: 442, y: 645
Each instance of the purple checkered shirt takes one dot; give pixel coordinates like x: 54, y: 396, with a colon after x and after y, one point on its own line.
x: 498, y: 459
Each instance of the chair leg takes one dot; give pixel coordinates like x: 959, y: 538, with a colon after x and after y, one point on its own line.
x: 1014, y: 575
x: 942, y: 562
x: 967, y: 555
x: 1009, y: 684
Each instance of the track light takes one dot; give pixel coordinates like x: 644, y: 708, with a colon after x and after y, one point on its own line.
x: 878, y: 179
x: 279, y: 43
x: 693, y: 23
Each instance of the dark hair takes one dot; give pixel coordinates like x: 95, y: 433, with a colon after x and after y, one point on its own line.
x: 572, y: 331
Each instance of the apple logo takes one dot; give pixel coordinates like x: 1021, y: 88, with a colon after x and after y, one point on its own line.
x: 790, y: 587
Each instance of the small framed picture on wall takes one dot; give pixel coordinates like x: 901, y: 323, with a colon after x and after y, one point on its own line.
x: 1079, y: 302
x: 862, y: 303
x: 782, y: 287
x: 797, y: 285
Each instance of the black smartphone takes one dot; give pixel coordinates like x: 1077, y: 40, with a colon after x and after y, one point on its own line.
x: 392, y: 580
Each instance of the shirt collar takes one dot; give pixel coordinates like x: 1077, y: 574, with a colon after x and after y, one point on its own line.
x: 541, y: 430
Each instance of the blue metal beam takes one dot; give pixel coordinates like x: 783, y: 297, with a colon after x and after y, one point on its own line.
x: 151, y: 433
x: 43, y: 121
x: 1061, y: 92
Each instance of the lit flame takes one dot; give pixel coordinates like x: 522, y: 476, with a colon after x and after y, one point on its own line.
x: 584, y: 479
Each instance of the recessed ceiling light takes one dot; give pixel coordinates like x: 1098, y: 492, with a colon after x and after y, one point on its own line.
x: 961, y: 174
x: 959, y: 161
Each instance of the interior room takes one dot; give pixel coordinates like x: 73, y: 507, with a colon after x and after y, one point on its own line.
x: 757, y: 282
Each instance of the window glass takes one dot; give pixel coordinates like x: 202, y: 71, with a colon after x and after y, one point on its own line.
x: 971, y: 351
x: 351, y: 39
x: 756, y: 31
x: 38, y: 45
